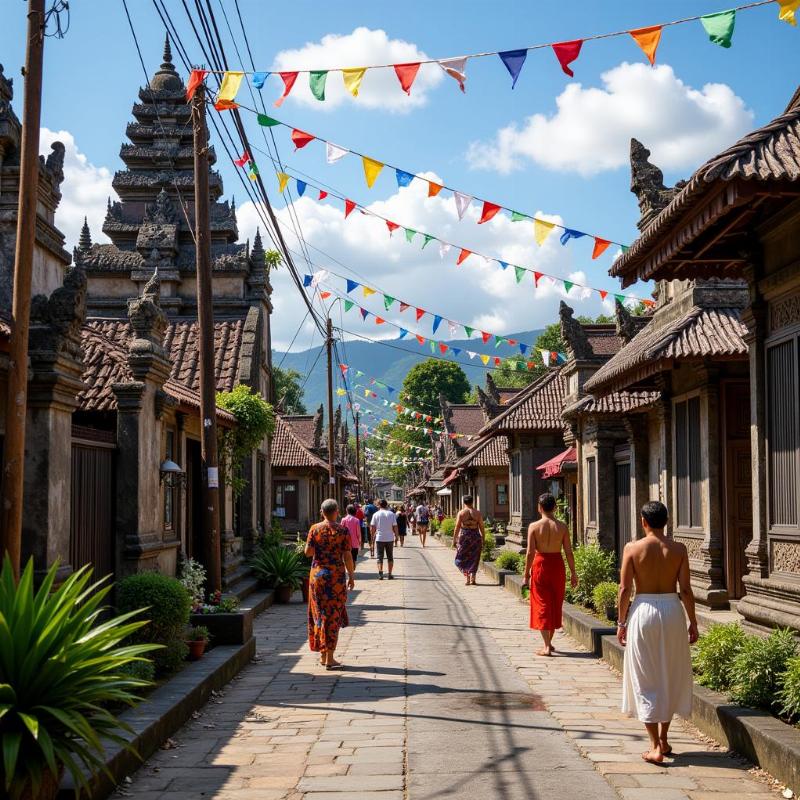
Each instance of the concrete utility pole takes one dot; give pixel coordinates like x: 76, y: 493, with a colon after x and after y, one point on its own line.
x: 331, y: 452
x: 358, y: 457
x: 205, y: 342
x: 14, y: 447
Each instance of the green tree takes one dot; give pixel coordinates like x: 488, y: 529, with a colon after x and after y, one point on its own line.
x: 427, y: 380
x: 288, y: 391
x: 513, y: 372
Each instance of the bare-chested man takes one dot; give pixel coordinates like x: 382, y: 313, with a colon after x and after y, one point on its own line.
x: 657, y: 677
x: 543, y: 562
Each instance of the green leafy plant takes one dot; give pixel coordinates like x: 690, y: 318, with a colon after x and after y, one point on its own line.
x: 604, y: 598
x: 789, y: 685
x: 278, y: 566
x: 447, y: 526
x: 255, y: 419
x: 714, y: 653
x: 515, y: 562
x: 593, y: 565
x: 489, y: 544
x: 562, y: 509
x: 757, y: 666
x: 228, y: 605
x: 168, y: 605
x: 193, y: 578
x: 60, y: 669
x: 198, y: 633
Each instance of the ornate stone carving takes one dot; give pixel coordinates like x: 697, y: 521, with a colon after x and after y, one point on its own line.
x: 786, y: 557
x: 318, y: 420
x: 647, y: 183
x: 573, y: 334
x: 626, y: 327
x: 694, y: 546
x: 784, y: 312
x: 56, y: 320
x: 162, y: 210
x: 55, y: 162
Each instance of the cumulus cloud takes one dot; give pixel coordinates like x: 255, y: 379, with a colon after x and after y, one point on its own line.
x: 380, y: 88
x: 478, y: 294
x: 84, y: 191
x: 591, y: 129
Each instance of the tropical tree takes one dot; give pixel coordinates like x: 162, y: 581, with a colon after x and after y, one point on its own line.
x: 288, y: 390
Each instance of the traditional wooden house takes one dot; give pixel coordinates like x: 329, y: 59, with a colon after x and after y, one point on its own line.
x: 738, y: 219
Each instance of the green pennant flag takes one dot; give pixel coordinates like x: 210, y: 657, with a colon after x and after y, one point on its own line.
x: 719, y: 27
x: 253, y: 169
x: 267, y: 122
x: 620, y: 298
x: 498, y: 340
x: 427, y: 238
x: 568, y: 286
x: 624, y: 248
x: 387, y: 301
x: 469, y: 331
x: 410, y: 234
x: 348, y: 304
x: 316, y: 82
x: 433, y: 345
x: 517, y: 217
x: 359, y: 373
x: 518, y: 366
x: 520, y: 273
x: 381, y: 385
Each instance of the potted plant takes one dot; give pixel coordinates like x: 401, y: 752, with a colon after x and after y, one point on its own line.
x: 197, y: 639
x: 63, y: 668
x: 281, y: 568
x: 300, y: 549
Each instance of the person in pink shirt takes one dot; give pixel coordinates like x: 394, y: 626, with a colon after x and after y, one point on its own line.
x: 353, y: 525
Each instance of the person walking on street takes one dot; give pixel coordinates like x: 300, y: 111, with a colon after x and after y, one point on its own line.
x: 657, y: 671
x: 422, y: 515
x: 369, y: 509
x: 402, y: 525
x: 469, y: 536
x: 353, y: 525
x: 545, y: 573
x: 360, y: 517
x: 384, y: 531
x: 412, y: 519
x: 328, y: 545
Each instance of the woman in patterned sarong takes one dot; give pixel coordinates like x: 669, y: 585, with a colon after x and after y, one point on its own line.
x: 468, y: 536
x: 328, y: 544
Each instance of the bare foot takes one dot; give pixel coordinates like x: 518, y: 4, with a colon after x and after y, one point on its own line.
x: 545, y: 651
x: 665, y: 747
x: 653, y: 756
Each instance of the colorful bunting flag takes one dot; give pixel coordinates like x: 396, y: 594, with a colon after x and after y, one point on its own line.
x: 322, y: 194
x: 406, y: 73
x: 367, y: 291
x: 420, y: 339
x: 316, y: 82
x: 434, y: 188
x: 600, y: 246
x: 288, y: 79
x: 603, y: 294
x: 403, y: 333
x: 787, y: 11
x: 420, y: 313
x: 364, y: 313
x: 410, y: 234
x: 485, y: 336
x: 488, y: 212
x: 403, y: 306
x: 463, y: 256
x: 349, y: 205
x: 648, y: 39
x: 392, y: 226
x: 334, y: 153
x: 566, y: 53
x: 352, y: 79
x: 516, y: 216
x: 503, y: 264
x: 719, y: 27
x: 387, y: 301
x: 324, y: 295
x: 283, y: 179
x: 301, y: 138
x: 228, y: 88
x: 456, y: 68
x: 427, y: 238
x: 541, y: 230
x: 240, y: 162
x: 301, y: 187
x: 341, y: 392
x: 485, y: 359
x: 267, y: 122
x: 196, y: 77
x: 307, y: 280
x: 513, y: 61
x: 372, y: 169
x: 519, y: 273
x: 545, y: 357
x: 348, y: 304
x: 351, y: 284
x: 568, y: 286
x: 462, y: 203
x: 444, y: 249
x: 469, y: 331
x: 259, y: 79
x: 379, y: 320
x: 437, y: 321
x: 443, y: 347
x: 536, y: 276
x: 570, y: 234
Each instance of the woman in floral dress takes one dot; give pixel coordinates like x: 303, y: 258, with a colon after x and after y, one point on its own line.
x: 328, y: 544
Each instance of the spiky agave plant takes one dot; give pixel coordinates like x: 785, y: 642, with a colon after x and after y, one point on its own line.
x: 61, y: 670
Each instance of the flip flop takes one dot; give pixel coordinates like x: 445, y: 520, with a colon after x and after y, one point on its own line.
x: 332, y: 667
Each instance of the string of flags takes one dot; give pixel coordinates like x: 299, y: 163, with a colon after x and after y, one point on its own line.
x: 718, y: 27
x: 542, y: 228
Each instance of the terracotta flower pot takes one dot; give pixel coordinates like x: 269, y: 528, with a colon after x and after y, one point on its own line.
x: 196, y: 648
x: 283, y: 593
x: 304, y: 588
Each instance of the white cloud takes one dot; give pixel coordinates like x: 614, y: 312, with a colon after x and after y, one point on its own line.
x: 478, y: 294
x: 380, y: 88
x: 591, y: 130
x: 85, y: 189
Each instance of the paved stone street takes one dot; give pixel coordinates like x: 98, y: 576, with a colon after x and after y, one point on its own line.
x: 441, y: 698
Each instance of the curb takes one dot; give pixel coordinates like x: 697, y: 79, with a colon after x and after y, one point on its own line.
x: 497, y: 575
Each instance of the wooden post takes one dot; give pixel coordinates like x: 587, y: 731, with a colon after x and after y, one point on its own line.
x: 331, y: 451
x: 205, y: 342
x: 358, y: 457
x: 14, y: 447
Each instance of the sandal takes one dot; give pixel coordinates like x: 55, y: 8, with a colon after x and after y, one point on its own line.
x: 332, y: 667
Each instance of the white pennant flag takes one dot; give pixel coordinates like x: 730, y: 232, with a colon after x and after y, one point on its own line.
x: 334, y: 153
x: 462, y: 203
x: 456, y: 68
x: 545, y: 357
x: 319, y: 277
x: 471, y: 354
x: 453, y: 329
x: 443, y: 249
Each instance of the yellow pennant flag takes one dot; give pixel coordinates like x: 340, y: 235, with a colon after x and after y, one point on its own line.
x: 366, y: 392
x: 372, y: 169
x: 787, y: 10
x: 541, y: 230
x: 352, y: 79
x: 485, y: 359
x: 367, y: 291
x: 283, y: 179
x: 341, y: 392
x: 231, y: 81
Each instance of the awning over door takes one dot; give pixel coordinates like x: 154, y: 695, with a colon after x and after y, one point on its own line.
x: 553, y: 467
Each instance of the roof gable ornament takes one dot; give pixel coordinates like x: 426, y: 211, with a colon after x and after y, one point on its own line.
x: 626, y: 326
x: 162, y: 211
x: 573, y: 334
x: 318, y: 422
x: 647, y: 183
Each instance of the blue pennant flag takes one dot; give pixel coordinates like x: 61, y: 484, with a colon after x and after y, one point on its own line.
x: 403, y: 178
x: 352, y: 285
x: 456, y: 350
x: 307, y: 280
x: 364, y: 313
x: 570, y: 234
x: 437, y: 321
x: 301, y: 187
x: 513, y: 60
x: 259, y: 79
x: 503, y: 264
x: 391, y: 388
x: 523, y: 348
x: 403, y: 332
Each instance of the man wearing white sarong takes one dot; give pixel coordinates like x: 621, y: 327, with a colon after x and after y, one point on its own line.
x: 657, y: 676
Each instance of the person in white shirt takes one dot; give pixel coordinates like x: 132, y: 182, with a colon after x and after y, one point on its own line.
x: 422, y: 515
x: 383, y: 527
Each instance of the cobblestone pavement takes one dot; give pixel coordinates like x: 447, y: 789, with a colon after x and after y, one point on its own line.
x: 441, y: 698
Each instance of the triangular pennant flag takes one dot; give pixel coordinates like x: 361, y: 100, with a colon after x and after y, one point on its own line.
x: 316, y: 82
x: 787, y: 11
x: 568, y: 286
x: 195, y: 79
x: 570, y: 234
x: 343, y: 368
x: 462, y: 203
x: 434, y: 188
x: 351, y: 284
x: 456, y: 68
x: 600, y: 246
x: 523, y: 348
x: 403, y: 332
x: 288, y: 79
x: 516, y: 216
x: 437, y: 321
x: 301, y: 138
x: 334, y: 153
x: 420, y: 313
x: 301, y: 187
x: 455, y: 351
x: 432, y: 345
x: 349, y: 205
x: 503, y: 264
x: 469, y: 331
x: 319, y: 276
x: 444, y: 249
x: 536, y: 276
x: 463, y: 256
x: 489, y: 211
x: 364, y: 313
x: 267, y: 122
x: 387, y: 301
x: 648, y: 39
x: 403, y: 306
x: 341, y: 392
x: 240, y: 162
x: 471, y: 354
x: 406, y: 73
x: 513, y: 61
x: 649, y: 303
x: 566, y: 53
x: 379, y: 320
x: 372, y: 169
x: 541, y: 230
x: 259, y: 79
x: 307, y: 280
x: 410, y: 234
x: 348, y: 304
x: 352, y: 79
x: 498, y: 340
x: 231, y: 81
x: 620, y: 298
x: 367, y: 291
x: 625, y: 247
x: 324, y: 295
x: 403, y: 178
x: 420, y: 339
x: 253, y: 173
x: 497, y: 361
x: 485, y: 359
x: 426, y: 238
x: 283, y: 179
x: 719, y: 27
x: 603, y: 294
x: 392, y: 226
x: 519, y: 273
x: 443, y: 347
x: 545, y: 357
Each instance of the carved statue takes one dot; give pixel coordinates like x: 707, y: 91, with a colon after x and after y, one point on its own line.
x: 573, y: 334
x: 55, y: 162
x: 56, y: 320
x: 647, y: 183
x: 162, y: 211
x: 626, y: 326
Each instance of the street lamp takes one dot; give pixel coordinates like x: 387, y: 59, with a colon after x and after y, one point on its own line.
x: 171, y: 474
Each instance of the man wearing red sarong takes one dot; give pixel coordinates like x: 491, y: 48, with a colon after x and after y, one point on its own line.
x: 545, y: 573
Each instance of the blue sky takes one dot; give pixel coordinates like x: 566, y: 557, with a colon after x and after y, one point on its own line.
x: 92, y: 76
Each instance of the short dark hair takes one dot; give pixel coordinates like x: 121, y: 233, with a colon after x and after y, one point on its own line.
x: 655, y: 514
x: 351, y: 509
x: 467, y: 499
x: 382, y: 502
x: 547, y: 502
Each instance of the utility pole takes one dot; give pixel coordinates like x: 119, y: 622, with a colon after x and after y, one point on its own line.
x: 358, y: 457
x: 14, y: 448
x: 331, y: 453
x: 205, y: 341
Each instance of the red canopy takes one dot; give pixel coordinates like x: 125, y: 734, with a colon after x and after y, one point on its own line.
x: 553, y: 467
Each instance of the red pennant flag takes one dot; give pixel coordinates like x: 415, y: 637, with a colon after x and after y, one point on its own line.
x: 417, y: 415
x: 434, y: 188
x: 240, y: 162
x: 324, y: 295
x: 512, y: 342
x: 536, y: 276
x: 497, y: 361
x: 343, y: 368
x: 225, y: 105
x: 322, y: 194
x: 553, y: 356
x: 420, y: 339
x: 406, y: 73
x: 489, y: 210
x: 443, y: 347
x: 288, y: 79
x: 420, y: 314
x: 566, y: 53
x: 531, y: 365
x: 600, y: 246
x: 349, y: 205
x: 649, y: 303
x: 301, y: 138
x: 373, y: 394
x: 195, y: 79
x: 463, y: 256
x: 603, y: 294
x: 379, y: 320
x: 392, y: 226
x: 486, y: 336
x: 403, y: 306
